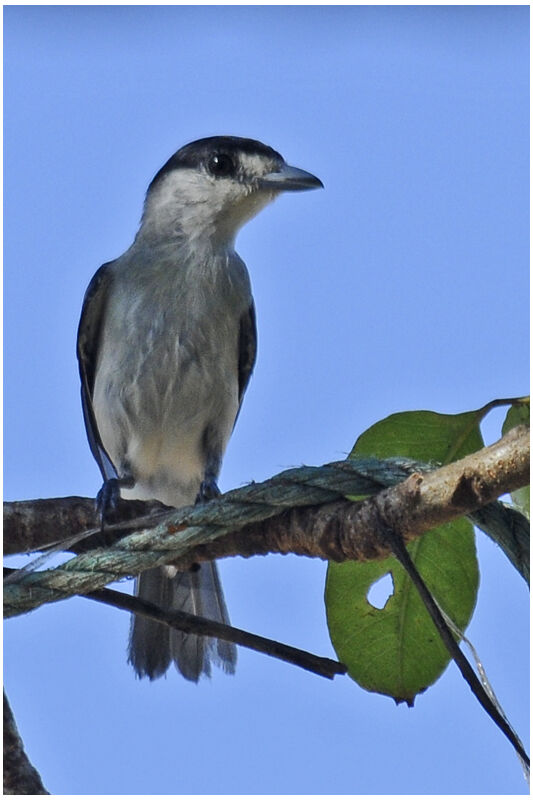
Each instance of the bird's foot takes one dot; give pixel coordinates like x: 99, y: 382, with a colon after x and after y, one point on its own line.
x: 109, y: 495
x: 208, y: 490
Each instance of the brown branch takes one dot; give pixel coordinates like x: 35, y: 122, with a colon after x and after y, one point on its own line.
x: 336, y: 531
x: 31, y: 525
x: 20, y: 776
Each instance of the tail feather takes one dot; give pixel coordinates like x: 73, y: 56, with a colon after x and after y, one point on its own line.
x: 188, y: 652
x: 149, y: 644
x: 153, y: 645
x: 223, y: 653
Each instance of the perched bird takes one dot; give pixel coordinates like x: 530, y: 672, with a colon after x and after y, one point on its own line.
x: 166, y: 347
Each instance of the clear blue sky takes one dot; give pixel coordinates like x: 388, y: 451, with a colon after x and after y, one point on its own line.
x: 402, y: 285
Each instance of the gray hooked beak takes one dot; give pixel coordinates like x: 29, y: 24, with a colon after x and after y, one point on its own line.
x: 290, y: 179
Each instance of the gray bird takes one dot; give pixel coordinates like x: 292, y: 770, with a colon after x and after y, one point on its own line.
x: 166, y: 347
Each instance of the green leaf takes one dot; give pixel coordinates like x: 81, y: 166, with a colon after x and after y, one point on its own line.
x: 422, y: 435
x: 509, y: 528
x: 518, y: 415
x: 396, y: 650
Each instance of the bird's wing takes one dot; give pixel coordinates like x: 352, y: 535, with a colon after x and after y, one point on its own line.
x: 89, y: 333
x: 247, y: 350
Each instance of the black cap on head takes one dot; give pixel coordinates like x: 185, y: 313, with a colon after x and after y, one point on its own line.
x: 198, y: 152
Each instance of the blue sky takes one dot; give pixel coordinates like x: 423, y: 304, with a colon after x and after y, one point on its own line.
x: 402, y: 285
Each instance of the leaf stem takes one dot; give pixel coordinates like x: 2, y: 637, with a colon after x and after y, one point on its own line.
x: 400, y: 551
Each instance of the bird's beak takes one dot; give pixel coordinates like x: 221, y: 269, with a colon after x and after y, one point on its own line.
x: 290, y: 179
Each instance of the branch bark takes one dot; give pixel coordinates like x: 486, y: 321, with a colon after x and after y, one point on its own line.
x: 20, y: 776
x: 336, y: 531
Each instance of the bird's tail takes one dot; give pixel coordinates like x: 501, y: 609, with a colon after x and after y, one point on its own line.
x: 153, y: 646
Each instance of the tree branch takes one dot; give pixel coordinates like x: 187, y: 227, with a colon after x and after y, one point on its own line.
x: 282, y: 516
x: 20, y: 776
x: 300, y: 511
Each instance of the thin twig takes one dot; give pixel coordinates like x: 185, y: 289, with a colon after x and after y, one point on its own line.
x: 401, y: 553
x: 189, y: 623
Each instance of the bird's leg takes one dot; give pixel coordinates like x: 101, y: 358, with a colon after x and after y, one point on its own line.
x: 108, y: 496
x: 212, y: 450
x: 208, y: 487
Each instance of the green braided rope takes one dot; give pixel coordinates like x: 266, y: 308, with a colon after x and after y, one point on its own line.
x: 201, y: 524
x: 255, y: 502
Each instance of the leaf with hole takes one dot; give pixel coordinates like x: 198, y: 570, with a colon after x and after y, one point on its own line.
x: 396, y: 650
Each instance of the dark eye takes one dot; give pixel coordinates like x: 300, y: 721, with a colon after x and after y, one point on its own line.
x: 220, y: 165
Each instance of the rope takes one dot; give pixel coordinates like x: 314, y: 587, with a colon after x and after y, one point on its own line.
x: 194, y: 525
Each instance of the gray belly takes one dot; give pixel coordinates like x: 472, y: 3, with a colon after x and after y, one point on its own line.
x: 154, y: 402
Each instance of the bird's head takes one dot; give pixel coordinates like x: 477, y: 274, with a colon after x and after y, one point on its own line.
x: 208, y: 189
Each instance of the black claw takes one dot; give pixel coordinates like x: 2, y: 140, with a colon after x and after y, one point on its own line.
x: 107, y: 498
x: 208, y: 490
x: 109, y: 495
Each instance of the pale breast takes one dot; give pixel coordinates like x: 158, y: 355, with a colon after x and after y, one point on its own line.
x: 167, y: 371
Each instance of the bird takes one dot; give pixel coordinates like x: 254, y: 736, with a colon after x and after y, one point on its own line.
x: 166, y: 346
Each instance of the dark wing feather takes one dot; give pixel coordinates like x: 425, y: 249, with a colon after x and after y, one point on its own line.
x: 247, y: 350
x: 89, y: 333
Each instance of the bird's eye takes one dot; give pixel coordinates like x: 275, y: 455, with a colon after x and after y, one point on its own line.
x: 220, y: 165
